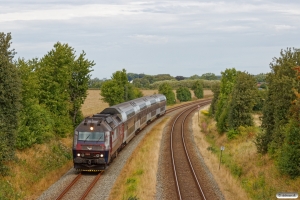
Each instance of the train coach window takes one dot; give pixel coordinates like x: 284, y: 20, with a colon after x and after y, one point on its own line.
x: 91, y: 136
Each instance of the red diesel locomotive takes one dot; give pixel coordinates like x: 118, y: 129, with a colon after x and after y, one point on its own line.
x: 98, y: 139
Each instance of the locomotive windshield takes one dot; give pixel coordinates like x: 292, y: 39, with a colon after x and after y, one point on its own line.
x: 91, y: 136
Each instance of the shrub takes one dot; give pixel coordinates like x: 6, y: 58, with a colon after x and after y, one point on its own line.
x: 232, y: 134
x: 183, y: 94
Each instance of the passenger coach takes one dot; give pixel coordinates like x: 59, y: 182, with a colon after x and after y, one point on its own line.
x: 98, y: 139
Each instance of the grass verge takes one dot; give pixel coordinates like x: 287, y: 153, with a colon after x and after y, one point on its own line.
x: 256, y: 173
x: 35, y: 169
x: 140, y: 169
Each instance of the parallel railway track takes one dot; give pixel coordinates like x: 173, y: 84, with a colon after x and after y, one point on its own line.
x: 75, y: 181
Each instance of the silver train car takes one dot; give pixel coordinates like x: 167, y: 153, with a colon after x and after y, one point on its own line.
x: 98, y: 139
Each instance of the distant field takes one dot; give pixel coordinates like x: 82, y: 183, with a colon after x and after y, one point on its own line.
x: 93, y: 103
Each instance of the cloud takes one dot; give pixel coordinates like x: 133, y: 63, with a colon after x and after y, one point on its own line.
x: 283, y: 27
x: 150, y: 39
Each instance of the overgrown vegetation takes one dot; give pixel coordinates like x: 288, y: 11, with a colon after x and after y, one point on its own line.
x: 10, y: 101
x: 256, y: 173
x: 237, y: 97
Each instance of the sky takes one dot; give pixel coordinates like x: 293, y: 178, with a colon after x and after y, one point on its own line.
x: 180, y: 38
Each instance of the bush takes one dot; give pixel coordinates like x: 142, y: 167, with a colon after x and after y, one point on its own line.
x: 36, y: 126
x: 232, y: 134
x: 289, y: 157
x: 183, y: 94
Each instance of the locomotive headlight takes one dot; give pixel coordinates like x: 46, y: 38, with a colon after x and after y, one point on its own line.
x: 101, y: 155
x: 78, y: 154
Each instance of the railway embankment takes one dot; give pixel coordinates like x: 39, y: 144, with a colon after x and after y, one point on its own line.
x: 241, y: 173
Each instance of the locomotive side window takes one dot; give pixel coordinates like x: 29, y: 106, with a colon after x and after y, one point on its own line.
x: 91, y: 136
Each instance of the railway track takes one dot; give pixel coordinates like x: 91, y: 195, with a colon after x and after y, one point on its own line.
x: 85, y: 192
x: 186, y: 180
x: 75, y: 184
x: 189, y: 104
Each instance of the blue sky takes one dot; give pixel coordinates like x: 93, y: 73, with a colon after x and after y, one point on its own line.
x: 180, y: 38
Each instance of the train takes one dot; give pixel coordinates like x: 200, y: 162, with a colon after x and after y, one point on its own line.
x: 98, y: 139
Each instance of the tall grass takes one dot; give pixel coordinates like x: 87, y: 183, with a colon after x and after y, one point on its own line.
x: 140, y: 170
x: 255, y: 172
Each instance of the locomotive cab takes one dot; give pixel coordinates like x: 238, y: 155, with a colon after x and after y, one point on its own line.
x: 91, y: 146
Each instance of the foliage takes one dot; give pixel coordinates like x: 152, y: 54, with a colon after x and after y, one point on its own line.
x: 95, y: 83
x: 179, y: 78
x: 195, y: 77
x: 112, y: 93
x: 118, y: 89
x: 183, y: 94
x: 36, y: 124
x: 289, y: 157
x: 54, y: 75
x: 281, y: 82
x: 184, y: 83
x: 260, y: 77
x: 166, y: 90
x: 78, y: 86
x: 163, y: 77
x: 198, y: 89
x: 242, y: 101
x: 232, y: 134
x: 10, y: 100
x: 260, y: 100
x: 209, y: 76
x: 227, y: 83
x: 141, y: 83
x: 216, y: 90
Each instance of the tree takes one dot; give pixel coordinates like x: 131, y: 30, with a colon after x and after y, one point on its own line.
x: 179, y: 78
x: 63, y: 83
x: 118, y: 89
x: 112, y: 93
x: 226, y: 86
x: 216, y: 90
x: 95, y: 83
x: 198, y: 89
x: 282, y: 80
x: 195, y: 77
x: 289, y: 156
x: 166, y: 90
x: 10, y: 97
x: 183, y: 94
x: 36, y: 124
x: 78, y: 86
x: 242, y: 101
x: 209, y: 76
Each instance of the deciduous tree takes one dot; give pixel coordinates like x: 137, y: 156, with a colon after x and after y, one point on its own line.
x: 167, y: 90
x: 183, y: 94
x: 198, y: 89
x: 10, y: 97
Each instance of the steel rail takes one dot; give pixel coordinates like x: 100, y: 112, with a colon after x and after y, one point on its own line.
x: 86, y: 192
x: 188, y: 104
x: 69, y: 186
x: 172, y: 151
x: 187, y: 154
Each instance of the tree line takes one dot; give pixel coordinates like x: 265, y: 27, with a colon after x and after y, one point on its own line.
x: 237, y: 97
x: 41, y: 98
